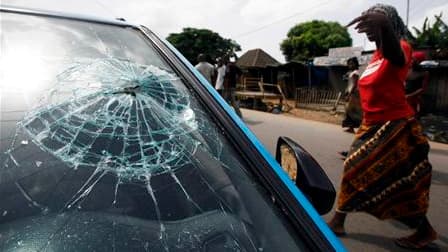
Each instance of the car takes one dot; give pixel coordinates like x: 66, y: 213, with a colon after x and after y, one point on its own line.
x: 112, y: 141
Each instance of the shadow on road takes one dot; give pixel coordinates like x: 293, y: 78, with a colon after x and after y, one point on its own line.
x: 439, y: 151
x: 439, y: 178
x: 387, y: 243
x: 251, y: 122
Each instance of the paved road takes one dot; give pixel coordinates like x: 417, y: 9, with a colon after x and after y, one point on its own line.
x: 323, y: 141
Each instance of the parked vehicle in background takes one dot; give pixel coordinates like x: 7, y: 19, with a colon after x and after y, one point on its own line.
x: 112, y: 141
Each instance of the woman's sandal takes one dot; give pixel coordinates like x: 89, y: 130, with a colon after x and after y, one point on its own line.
x: 411, y: 242
x: 337, y: 231
x: 340, y: 234
x: 405, y: 243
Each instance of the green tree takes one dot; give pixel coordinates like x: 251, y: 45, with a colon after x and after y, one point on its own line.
x: 191, y: 42
x: 435, y: 36
x: 310, y: 39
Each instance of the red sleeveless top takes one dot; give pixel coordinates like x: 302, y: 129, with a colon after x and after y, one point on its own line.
x: 381, y: 88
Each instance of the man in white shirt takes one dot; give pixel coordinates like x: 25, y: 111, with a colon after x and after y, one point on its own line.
x: 205, y: 68
x: 221, y: 72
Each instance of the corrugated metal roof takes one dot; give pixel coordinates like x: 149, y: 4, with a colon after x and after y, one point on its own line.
x: 339, y: 56
x: 340, y: 61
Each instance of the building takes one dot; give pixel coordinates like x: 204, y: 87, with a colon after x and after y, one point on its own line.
x: 256, y: 63
x: 336, y: 64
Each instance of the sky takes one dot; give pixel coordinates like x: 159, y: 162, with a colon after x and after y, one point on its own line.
x: 251, y: 23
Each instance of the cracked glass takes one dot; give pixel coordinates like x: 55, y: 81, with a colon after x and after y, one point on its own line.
x: 105, y: 147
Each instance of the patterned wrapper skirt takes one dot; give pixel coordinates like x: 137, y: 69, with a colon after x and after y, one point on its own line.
x: 387, y: 172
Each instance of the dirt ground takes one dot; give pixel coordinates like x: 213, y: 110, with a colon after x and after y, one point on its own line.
x: 309, y: 114
x: 321, y: 116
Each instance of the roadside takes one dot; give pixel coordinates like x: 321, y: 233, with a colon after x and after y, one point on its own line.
x: 309, y: 114
x: 435, y: 126
x: 315, y: 115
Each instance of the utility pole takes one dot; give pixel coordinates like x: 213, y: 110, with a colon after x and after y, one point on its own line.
x: 407, y: 13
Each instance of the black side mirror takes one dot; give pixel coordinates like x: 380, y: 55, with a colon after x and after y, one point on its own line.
x: 307, y: 174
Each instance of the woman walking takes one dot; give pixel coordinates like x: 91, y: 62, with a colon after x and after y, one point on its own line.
x: 387, y: 172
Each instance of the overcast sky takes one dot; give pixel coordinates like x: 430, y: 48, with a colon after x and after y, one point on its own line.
x: 251, y: 23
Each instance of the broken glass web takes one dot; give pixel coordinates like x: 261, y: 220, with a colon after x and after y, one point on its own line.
x: 118, y: 116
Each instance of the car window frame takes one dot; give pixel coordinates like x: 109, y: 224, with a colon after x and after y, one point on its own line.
x: 286, y: 196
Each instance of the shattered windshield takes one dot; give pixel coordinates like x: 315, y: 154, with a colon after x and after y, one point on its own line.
x: 104, y: 147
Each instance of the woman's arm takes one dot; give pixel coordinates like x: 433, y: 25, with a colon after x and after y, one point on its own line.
x: 378, y: 28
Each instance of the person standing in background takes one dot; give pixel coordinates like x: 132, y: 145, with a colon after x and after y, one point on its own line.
x: 387, y: 172
x: 220, y: 75
x: 205, y: 68
x: 230, y: 80
x: 353, y: 112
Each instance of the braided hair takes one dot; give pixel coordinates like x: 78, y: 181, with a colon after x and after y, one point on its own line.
x: 397, y: 23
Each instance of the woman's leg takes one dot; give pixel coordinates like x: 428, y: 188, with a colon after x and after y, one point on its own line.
x: 424, y: 235
x: 336, y: 224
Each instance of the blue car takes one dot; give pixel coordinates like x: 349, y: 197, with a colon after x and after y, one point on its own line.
x: 112, y: 141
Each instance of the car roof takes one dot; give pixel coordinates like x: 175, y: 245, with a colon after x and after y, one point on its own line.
x: 65, y: 15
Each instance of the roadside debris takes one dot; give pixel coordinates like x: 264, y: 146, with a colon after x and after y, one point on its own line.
x: 436, y: 127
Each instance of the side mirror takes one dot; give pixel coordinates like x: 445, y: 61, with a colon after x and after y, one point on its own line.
x: 307, y: 174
